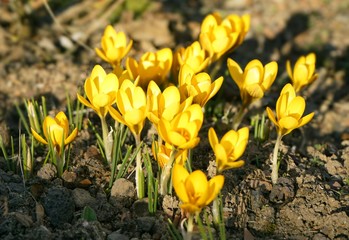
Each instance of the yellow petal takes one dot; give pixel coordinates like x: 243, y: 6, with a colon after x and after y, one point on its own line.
x: 153, y: 89
x: 71, y: 137
x: 300, y: 76
x: 38, y: 137
x: 128, y: 47
x: 57, y: 136
x: 212, y: 137
x: 196, y: 186
x: 215, y: 86
x: 123, y: 101
x: 46, y: 125
x: 304, y: 120
x: 243, y: 133
x: 132, y: 67
x: 239, y: 149
x: 215, y: 185
x: 85, y: 102
x: 230, y: 165
x: 296, y: 107
x: 164, y: 127
x: 230, y: 137
x: 116, y: 115
x: 288, y: 123
x: 208, y: 23
x: 221, y: 154
x: 190, y: 144
x: 62, y: 120
x: 272, y: 116
x: 135, y: 116
x: 270, y: 72
x: 100, y: 100
x: 179, y: 176
x: 253, y: 72
x: 110, y: 83
x: 235, y: 72
x: 176, y: 139
x: 109, y: 31
x: 139, y: 98
x: 289, y: 69
x: 101, y: 54
x: 98, y: 72
x: 186, y: 73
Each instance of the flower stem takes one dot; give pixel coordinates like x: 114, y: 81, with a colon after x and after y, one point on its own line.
x: 215, y: 211
x: 216, y: 67
x: 107, y: 144
x: 139, y: 170
x: 59, y: 162
x: 238, y: 117
x: 166, y: 173
x: 275, y: 165
x: 190, y: 227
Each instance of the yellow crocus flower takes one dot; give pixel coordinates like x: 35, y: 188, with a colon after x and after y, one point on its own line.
x: 303, y: 72
x: 56, y: 131
x: 164, y: 104
x: 100, y: 89
x: 132, y: 111
x: 132, y: 106
x: 219, y: 36
x: 182, y: 131
x: 151, y: 66
x: 289, y: 111
x: 254, y: 81
x: 230, y: 148
x: 114, y: 46
x: 193, y: 189
x: 199, y: 86
x: 194, y: 56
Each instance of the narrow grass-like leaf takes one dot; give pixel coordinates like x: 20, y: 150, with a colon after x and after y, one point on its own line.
x: 23, y: 119
x: 69, y: 107
x: 175, y: 234
x: 201, y: 226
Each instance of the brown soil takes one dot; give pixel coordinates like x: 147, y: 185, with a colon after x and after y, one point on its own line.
x: 39, y: 58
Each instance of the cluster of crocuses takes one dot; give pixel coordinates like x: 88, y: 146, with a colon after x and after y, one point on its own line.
x: 141, y: 90
x: 171, y: 90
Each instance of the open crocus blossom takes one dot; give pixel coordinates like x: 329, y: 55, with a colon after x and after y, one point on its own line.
x: 151, y: 66
x: 100, y: 89
x: 199, y: 86
x: 182, y: 131
x: 230, y: 148
x: 56, y: 131
x: 289, y: 111
x: 162, y: 104
x: 193, y: 189
x: 219, y: 36
x: 254, y: 81
x: 303, y: 72
x: 194, y: 55
x: 114, y: 46
x: 131, y: 102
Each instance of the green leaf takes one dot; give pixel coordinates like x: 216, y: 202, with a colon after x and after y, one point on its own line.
x: 89, y: 214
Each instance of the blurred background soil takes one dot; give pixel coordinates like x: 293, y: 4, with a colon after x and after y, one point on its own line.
x: 42, y: 55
